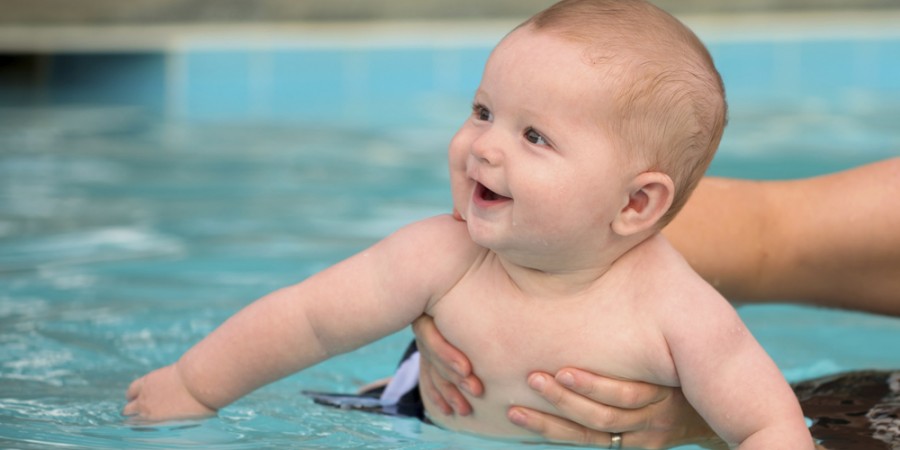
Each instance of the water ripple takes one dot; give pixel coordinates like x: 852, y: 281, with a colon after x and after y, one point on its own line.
x: 82, y: 247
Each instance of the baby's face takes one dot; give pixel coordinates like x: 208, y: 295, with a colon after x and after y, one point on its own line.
x: 533, y: 166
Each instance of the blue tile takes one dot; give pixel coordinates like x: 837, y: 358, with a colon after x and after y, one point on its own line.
x: 886, y: 70
x: 216, y: 84
x: 424, y: 85
x: 308, y: 84
x: 472, y: 67
x: 394, y: 72
x: 806, y: 69
x: 827, y: 66
x: 748, y: 69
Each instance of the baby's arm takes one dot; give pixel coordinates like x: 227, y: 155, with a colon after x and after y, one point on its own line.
x: 729, y: 378
x: 367, y: 296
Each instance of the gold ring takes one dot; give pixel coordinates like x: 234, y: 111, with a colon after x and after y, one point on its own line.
x: 615, y: 440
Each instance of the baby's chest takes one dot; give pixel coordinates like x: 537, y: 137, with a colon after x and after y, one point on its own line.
x: 507, y: 337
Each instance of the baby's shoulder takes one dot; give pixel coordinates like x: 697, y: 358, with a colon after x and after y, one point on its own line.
x: 439, y: 243
x: 441, y: 232
x: 670, y: 278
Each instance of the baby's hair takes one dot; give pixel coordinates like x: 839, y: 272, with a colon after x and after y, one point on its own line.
x: 669, y: 99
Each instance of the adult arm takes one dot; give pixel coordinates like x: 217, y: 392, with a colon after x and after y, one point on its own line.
x: 830, y: 240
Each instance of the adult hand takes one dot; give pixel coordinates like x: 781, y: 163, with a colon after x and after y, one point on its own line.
x: 445, y: 370
x: 591, y: 407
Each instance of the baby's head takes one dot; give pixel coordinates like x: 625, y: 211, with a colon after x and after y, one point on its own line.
x: 593, y: 115
x: 668, y: 98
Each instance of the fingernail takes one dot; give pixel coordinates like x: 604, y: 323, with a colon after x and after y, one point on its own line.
x: 537, y: 382
x: 466, y: 387
x: 458, y: 369
x: 566, y: 379
x: 516, y: 417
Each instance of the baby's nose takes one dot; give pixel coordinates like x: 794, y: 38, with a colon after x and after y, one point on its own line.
x: 488, y: 148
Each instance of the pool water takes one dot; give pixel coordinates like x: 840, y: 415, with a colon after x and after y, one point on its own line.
x: 127, y: 235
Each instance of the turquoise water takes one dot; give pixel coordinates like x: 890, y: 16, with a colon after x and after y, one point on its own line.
x: 128, y: 232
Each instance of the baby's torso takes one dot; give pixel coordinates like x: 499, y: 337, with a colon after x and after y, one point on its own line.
x: 611, y: 331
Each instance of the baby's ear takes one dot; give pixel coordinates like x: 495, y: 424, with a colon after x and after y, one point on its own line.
x: 650, y: 195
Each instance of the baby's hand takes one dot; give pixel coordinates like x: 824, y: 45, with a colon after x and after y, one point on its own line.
x: 161, y: 395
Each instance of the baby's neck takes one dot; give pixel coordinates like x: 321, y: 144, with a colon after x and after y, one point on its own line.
x: 568, y: 274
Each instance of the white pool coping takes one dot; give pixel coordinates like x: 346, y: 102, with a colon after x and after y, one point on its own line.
x: 780, y: 26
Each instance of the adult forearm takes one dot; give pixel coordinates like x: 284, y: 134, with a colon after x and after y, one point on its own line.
x: 831, y: 240
x: 720, y: 232
x: 841, y: 239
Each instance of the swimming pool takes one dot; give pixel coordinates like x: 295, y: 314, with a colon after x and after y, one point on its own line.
x: 140, y: 209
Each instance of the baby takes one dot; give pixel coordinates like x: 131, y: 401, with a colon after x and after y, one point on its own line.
x: 593, y: 122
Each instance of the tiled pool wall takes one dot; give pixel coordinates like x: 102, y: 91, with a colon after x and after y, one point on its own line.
x: 413, y: 83
x: 323, y: 85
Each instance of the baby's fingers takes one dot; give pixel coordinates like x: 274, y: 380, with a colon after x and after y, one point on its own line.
x: 130, y: 409
x: 134, y: 389
x: 133, y: 398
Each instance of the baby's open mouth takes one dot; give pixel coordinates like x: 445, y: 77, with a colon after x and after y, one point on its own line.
x: 488, y: 195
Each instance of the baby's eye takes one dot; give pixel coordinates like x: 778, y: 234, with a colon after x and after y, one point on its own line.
x: 534, y: 137
x: 482, y: 113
